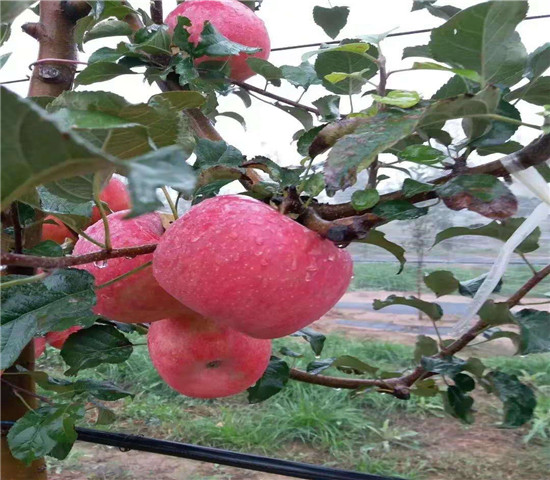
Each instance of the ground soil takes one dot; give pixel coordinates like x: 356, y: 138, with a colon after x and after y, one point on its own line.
x: 482, y: 447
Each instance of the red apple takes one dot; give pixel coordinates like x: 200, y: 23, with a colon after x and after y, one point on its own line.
x: 39, y: 346
x: 240, y: 262
x: 138, y: 297
x: 115, y: 194
x: 233, y: 20
x: 57, y: 232
x: 57, y: 339
x: 202, y: 359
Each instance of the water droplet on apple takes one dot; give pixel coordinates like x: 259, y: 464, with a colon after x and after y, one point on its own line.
x: 101, y: 264
x: 264, y: 262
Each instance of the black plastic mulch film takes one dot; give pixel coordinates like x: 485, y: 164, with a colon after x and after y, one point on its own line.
x: 219, y: 456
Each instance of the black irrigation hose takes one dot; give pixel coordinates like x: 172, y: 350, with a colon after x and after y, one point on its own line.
x: 217, y: 455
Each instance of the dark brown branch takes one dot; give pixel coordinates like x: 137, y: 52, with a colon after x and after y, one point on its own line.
x: 35, y: 30
x: 70, y: 261
x: 25, y: 391
x: 156, y: 12
x: 533, y: 154
x: 400, y: 386
x: 265, y: 93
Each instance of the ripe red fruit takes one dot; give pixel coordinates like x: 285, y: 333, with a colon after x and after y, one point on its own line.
x: 202, y: 359
x: 58, y: 232
x: 233, y: 20
x: 115, y: 194
x: 39, y: 346
x: 138, y: 297
x: 240, y: 262
x: 57, y: 339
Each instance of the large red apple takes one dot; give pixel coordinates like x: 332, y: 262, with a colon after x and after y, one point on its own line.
x: 115, y: 195
x: 39, y: 346
x: 240, y: 262
x: 57, y: 339
x: 233, y: 20
x: 199, y: 358
x: 138, y: 297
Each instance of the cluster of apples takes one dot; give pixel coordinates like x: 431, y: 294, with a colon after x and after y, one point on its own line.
x: 226, y: 277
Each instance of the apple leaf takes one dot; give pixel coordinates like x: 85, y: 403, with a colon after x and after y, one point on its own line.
x: 422, y: 154
x: 59, y: 301
x: 363, y: 199
x: 534, y: 331
x: 329, y: 107
x: 441, y: 282
x: 412, y: 187
x: 378, y: 238
x: 424, y: 347
x: 538, y: 62
x: 445, y: 366
x: 433, y: 310
x: 441, y: 11
x: 331, y: 20
x: 315, y: 339
x: 108, y: 28
x: 101, y: 72
x: 214, y: 44
x: 499, y: 230
x: 469, y: 288
x: 36, y: 150
x: 304, y: 75
x: 93, y: 346
x: 536, y: 92
x: 483, y: 38
x: 458, y: 404
x: 43, y: 431
x: 272, y: 381
x: 266, y: 69
x: 399, y: 210
x: 518, y: 399
x: 496, y: 313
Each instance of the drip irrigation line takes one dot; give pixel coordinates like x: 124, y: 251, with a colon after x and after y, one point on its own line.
x: 217, y: 455
x: 396, y: 34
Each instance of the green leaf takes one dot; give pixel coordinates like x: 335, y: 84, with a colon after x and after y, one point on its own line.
x: 483, y: 194
x: 348, y: 62
x: 475, y: 366
x: 356, y: 151
x: 4, y: 58
x: 352, y: 365
x: 433, y: 310
x: 289, y: 353
x: 10, y: 10
x: 48, y: 248
x: 303, y: 75
x: 422, y: 154
x: 318, y: 366
x: 458, y: 404
x: 469, y: 288
x: 153, y: 170
x: 518, y: 399
x: 469, y: 74
x: 61, y: 300
x: 329, y: 107
x: 93, y: 346
x: 301, y: 115
x: 210, y: 153
x: 282, y: 175
x: 456, y: 85
x: 496, y: 313
x: 441, y: 282
x: 500, y: 230
x: 464, y: 382
x: 416, y: 51
x: 214, y: 44
x: 153, y: 39
x: 40, y: 431
x: 536, y: 92
x: 445, y: 366
x: 399, y: 98
x: 106, y: 54
x: 399, y: 210
x: 441, y: 11
x: 331, y: 20
x: 425, y: 388
x: 105, y: 416
x: 266, y: 69
x: 36, y: 150
x: 378, y: 238
x: 272, y: 382
x: 315, y: 339
x: 506, y: 148
x: 101, y: 72
x: 411, y: 187
x: 315, y: 184
x: 363, y: 199
x: 424, y: 347
x: 306, y: 139
x: 483, y: 38
x: 538, y: 61
x: 534, y: 331
x: 235, y: 116
x: 108, y: 28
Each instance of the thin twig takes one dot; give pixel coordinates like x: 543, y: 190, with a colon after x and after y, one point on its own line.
x: 27, y: 392
x: 170, y: 202
x: 71, y: 261
x: 124, y: 275
x: 102, y: 213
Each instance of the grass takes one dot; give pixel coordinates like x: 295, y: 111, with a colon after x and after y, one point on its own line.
x: 382, y: 276
x: 368, y: 432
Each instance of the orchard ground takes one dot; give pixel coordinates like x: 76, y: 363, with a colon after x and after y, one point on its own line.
x: 312, y: 424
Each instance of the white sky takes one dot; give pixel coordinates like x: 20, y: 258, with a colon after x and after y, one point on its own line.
x: 290, y: 22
